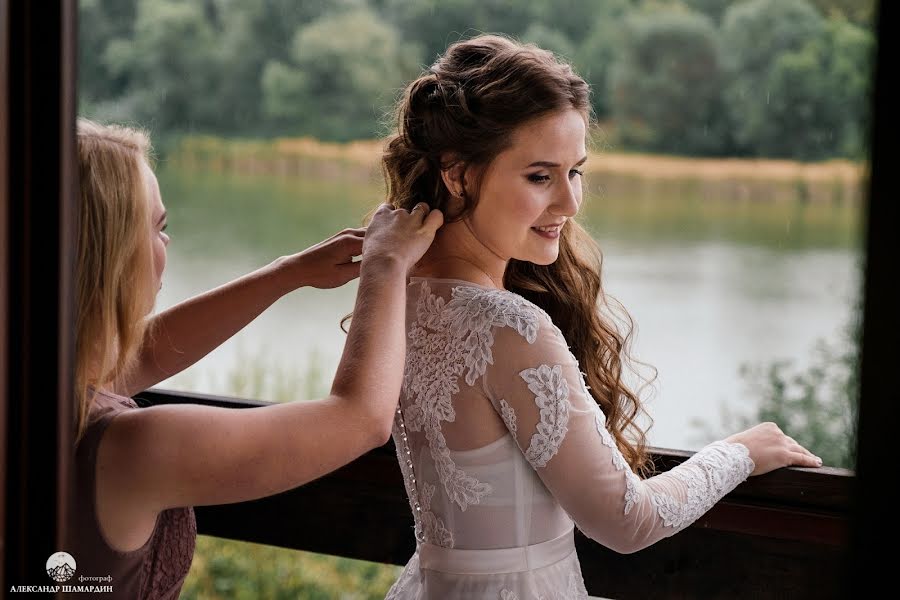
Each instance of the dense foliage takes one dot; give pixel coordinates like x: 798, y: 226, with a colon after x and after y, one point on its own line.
x: 778, y: 78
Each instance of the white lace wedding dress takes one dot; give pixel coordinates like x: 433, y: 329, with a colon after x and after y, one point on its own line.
x: 504, y: 452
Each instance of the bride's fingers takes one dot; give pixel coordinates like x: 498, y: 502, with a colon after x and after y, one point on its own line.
x: 798, y: 447
x: 805, y: 452
x: 803, y: 459
x: 795, y: 447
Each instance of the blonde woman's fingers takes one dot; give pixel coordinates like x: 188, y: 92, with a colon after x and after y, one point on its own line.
x: 352, y: 245
x: 420, y: 206
x: 350, y: 270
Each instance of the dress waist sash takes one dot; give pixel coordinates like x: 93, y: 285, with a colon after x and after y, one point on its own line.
x: 499, y: 560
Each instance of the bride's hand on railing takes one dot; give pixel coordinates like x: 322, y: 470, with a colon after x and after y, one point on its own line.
x: 770, y: 449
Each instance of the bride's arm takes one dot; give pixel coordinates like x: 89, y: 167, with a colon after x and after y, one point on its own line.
x: 538, y: 391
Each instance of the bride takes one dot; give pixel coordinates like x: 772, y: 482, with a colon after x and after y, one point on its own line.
x: 514, y: 424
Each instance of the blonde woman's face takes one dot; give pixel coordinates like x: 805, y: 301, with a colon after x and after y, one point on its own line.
x: 158, y: 237
x: 532, y: 188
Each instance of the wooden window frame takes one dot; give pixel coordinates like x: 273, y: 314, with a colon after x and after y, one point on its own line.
x: 806, y: 533
x: 38, y: 185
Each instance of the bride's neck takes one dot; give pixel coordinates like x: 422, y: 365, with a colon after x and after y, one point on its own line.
x: 457, y: 254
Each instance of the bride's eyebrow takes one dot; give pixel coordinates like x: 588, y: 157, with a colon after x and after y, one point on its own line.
x: 553, y: 165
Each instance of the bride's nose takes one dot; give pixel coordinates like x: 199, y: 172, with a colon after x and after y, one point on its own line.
x: 567, y: 201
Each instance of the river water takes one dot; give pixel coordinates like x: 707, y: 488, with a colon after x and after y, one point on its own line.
x: 711, y: 286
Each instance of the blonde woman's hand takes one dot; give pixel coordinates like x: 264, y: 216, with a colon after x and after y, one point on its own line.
x: 770, y: 449
x: 401, y: 235
x: 329, y: 264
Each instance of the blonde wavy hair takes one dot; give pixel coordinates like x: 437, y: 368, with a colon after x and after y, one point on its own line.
x: 114, y: 261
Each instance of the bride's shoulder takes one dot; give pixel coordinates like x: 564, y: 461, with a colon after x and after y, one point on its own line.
x: 464, y: 305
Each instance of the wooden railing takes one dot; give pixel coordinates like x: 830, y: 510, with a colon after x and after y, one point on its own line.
x: 780, y: 535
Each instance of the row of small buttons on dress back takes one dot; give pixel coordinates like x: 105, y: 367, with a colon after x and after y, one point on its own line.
x: 404, y: 442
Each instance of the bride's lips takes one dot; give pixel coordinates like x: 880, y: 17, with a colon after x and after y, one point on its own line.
x: 550, y: 232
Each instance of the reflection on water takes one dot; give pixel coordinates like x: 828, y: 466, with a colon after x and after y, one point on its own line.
x: 710, y: 285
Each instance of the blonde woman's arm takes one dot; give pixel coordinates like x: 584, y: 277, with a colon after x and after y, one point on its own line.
x: 168, y: 456
x: 180, y: 336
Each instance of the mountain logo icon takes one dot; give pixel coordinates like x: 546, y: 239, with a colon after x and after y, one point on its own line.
x: 61, y: 566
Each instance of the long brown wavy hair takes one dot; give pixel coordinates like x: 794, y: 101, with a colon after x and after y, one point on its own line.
x: 467, y: 105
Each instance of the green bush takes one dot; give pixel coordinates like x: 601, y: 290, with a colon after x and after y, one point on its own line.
x: 226, y: 569
x: 815, y: 405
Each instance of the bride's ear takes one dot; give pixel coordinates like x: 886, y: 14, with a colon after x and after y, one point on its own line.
x: 453, y: 172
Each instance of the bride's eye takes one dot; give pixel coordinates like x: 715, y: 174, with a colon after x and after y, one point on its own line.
x: 575, y: 172
x: 538, y: 178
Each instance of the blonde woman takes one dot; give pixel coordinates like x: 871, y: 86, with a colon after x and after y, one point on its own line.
x: 139, y: 471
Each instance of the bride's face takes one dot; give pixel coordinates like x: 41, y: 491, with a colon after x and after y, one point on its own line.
x: 531, y: 189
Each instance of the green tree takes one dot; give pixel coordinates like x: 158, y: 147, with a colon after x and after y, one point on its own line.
x: 577, y: 19
x: 858, y: 12
x: 435, y: 24
x: 819, y: 94
x: 344, y: 71
x: 714, y: 9
x: 599, y: 49
x: 549, y: 39
x: 755, y: 35
x: 666, y: 84
x: 171, y: 63
x: 850, y: 51
x: 249, y: 35
x: 99, y: 22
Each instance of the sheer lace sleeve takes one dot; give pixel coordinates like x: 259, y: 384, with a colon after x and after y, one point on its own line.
x: 538, y: 390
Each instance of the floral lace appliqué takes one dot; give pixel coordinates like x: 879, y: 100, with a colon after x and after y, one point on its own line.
x: 551, y: 394
x: 447, y: 340
x: 632, y: 481
x: 408, y: 574
x: 509, y: 416
x: 707, y: 475
x: 433, y: 527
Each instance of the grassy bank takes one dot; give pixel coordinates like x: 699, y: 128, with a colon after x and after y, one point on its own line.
x: 616, y: 175
x: 229, y: 570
